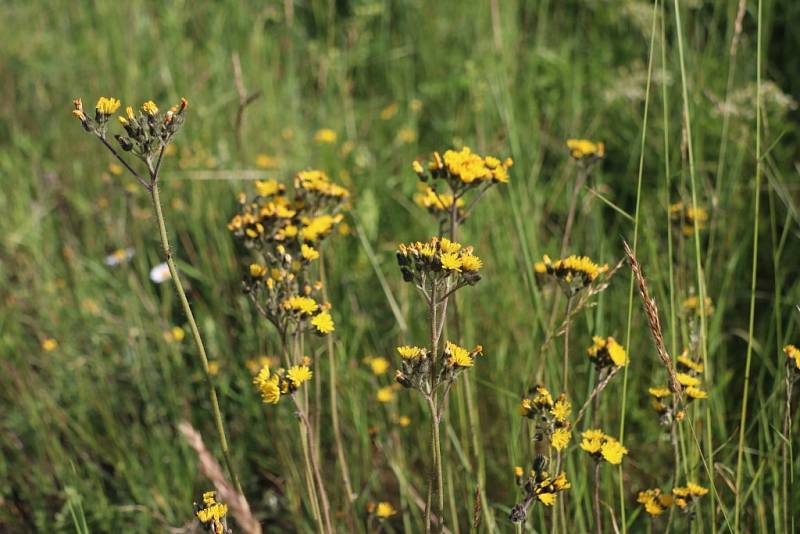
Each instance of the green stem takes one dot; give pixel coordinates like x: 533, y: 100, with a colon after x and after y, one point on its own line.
x: 753, y: 280
x: 201, y: 350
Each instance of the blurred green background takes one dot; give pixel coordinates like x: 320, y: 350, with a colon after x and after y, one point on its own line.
x: 89, y: 428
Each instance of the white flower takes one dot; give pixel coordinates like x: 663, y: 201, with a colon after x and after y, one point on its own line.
x: 119, y: 256
x: 160, y: 273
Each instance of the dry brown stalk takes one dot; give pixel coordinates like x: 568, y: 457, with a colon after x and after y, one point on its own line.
x: 653, y: 321
x: 236, y: 502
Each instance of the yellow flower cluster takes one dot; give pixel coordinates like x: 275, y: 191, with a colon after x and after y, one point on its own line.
x: 606, y: 353
x: 573, y: 272
x: 656, y: 503
x: 318, y: 182
x: 459, y: 356
x: 686, y: 216
x: 464, y: 168
x: 583, y: 149
x: 602, y: 446
x: 272, y: 385
x: 211, y: 513
x: 551, y: 417
x: 793, y: 354
x: 439, y: 255
x: 539, y: 486
x: 437, y: 202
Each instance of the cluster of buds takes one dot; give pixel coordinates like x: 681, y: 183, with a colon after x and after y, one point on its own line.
x: 684, y: 498
x: 285, y: 294
x: 606, y: 353
x: 147, y: 131
x: 573, y: 273
x: 418, y: 370
x: 685, y: 217
x: 602, y: 447
x: 585, y: 151
x: 550, y: 419
x: 439, y: 260
x: 538, y: 486
x: 272, y: 385
x: 462, y: 171
x: 211, y: 514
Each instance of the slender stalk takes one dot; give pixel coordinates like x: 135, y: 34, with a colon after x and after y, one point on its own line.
x: 635, y: 244
x: 337, y: 433
x: 201, y: 350
x: 598, y: 517
x: 573, y: 205
x: 753, y: 280
x: 310, y: 484
x: 323, y: 495
x: 566, y: 348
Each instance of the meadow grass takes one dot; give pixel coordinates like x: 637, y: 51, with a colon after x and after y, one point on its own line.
x: 90, y: 438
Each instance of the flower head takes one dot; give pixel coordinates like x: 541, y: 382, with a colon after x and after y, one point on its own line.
x: 606, y: 352
x: 583, y: 149
x: 793, y: 355
x: 298, y: 374
x: 458, y: 356
x: 323, y: 322
x: 410, y: 353
x: 602, y: 446
x: 574, y: 273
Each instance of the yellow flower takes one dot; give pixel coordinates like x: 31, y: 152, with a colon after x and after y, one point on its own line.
x: 606, y: 352
x: 308, y: 253
x: 49, y: 344
x: 435, y: 202
x: 793, y: 353
x: 459, y: 356
x: 410, y: 353
x: 303, y: 305
x: 471, y: 263
x: 299, y: 374
x: 561, y: 483
x: 266, y: 162
x: 696, y: 393
x: 150, y: 108
x: 592, y: 446
x: 107, y: 105
x: 325, y: 136
x: 323, y: 323
x: 213, y: 368
x: 518, y: 471
x: 687, y: 380
x: 389, y: 111
x: 583, y: 148
x: 406, y: 135
x: 404, y: 420
x: 385, y: 394
x: 547, y: 498
x: 212, y: 513
x: 561, y: 409
x: 659, y: 392
x: 257, y: 271
x: 696, y: 490
x: 379, y: 365
x: 385, y: 510
x: 115, y: 169
x: 267, y: 188
x: 685, y: 361
x: 178, y: 334
x: 613, y: 451
x: 451, y: 262
x: 268, y: 386
x: 654, y: 502
x: 560, y: 438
